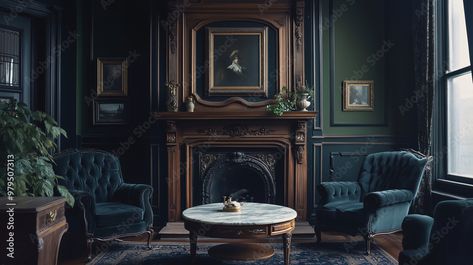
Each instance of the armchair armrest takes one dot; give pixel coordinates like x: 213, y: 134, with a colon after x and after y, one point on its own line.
x: 379, y: 199
x: 138, y: 195
x: 339, y: 191
x: 416, y: 231
x: 416, y: 235
x: 85, y: 203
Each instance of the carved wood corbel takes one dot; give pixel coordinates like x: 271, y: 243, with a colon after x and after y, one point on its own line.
x: 171, y: 131
x: 300, y: 141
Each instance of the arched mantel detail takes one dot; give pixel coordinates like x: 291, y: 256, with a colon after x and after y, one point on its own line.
x: 188, y: 17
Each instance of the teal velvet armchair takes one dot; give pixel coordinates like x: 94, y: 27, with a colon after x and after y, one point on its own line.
x: 446, y: 239
x: 106, y: 207
x: 375, y: 204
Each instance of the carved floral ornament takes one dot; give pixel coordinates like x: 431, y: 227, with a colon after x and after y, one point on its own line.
x: 300, y: 137
x: 236, y: 131
x: 171, y: 132
x: 300, y: 154
x: 299, y: 21
x: 172, y: 88
x: 206, y: 159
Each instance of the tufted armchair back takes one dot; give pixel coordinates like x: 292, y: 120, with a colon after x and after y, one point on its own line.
x: 94, y: 171
x: 391, y: 170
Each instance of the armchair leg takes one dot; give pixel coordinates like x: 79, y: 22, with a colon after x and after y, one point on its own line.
x: 368, y: 240
x: 150, y: 233
x: 90, y: 243
x: 318, y: 234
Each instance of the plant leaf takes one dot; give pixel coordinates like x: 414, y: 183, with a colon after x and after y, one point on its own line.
x: 66, y: 194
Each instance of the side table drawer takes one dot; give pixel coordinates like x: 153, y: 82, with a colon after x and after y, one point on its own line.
x: 50, y: 217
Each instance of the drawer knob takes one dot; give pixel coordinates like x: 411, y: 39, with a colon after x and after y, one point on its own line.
x: 52, y: 216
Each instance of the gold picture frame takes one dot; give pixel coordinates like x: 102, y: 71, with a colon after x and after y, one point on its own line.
x: 112, y: 77
x: 238, y: 61
x: 110, y: 112
x: 358, y: 95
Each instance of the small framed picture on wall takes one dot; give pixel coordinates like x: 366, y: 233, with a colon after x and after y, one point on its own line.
x: 110, y: 112
x: 358, y: 95
x: 112, y: 76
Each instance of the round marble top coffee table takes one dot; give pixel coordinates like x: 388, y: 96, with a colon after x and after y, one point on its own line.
x: 254, y: 221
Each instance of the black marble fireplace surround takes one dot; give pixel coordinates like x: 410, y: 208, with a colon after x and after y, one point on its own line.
x: 246, y: 174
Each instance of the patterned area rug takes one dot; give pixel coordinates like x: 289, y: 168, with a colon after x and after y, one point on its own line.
x: 125, y: 253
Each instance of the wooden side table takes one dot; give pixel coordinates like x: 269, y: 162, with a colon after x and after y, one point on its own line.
x: 255, y: 221
x: 37, y: 225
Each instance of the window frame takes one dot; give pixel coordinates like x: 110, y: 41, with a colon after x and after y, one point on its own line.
x: 444, y: 75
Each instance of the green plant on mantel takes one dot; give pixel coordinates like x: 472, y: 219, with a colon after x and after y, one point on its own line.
x: 28, y: 136
x: 283, y: 102
x: 286, y: 100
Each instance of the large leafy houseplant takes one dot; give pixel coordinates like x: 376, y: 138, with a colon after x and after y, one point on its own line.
x: 27, y: 137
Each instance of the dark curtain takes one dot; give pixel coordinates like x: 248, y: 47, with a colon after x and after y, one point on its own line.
x: 468, y: 6
x: 423, y: 26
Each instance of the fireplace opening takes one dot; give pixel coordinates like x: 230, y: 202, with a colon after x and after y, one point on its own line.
x: 247, y: 177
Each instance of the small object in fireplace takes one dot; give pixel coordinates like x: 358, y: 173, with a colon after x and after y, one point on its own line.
x: 241, y: 195
x: 229, y: 205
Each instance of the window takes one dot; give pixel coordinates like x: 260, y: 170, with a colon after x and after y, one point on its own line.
x: 459, y: 94
x: 9, y: 57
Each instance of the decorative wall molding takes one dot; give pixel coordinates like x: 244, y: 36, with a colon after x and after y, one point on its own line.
x: 333, y: 85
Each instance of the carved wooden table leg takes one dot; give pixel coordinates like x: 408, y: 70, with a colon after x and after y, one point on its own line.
x: 287, y: 247
x: 193, y: 241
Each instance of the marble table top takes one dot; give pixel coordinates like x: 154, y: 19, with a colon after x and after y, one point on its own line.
x: 250, y: 214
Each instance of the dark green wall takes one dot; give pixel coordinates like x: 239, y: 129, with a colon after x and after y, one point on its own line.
x: 356, y: 45
x: 357, y: 40
x: 120, y: 29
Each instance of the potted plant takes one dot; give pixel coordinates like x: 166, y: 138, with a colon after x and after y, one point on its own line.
x: 303, y: 94
x: 290, y: 101
x: 27, y: 138
x: 283, y: 102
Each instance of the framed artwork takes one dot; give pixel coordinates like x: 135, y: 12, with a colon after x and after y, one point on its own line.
x: 110, y: 112
x: 238, y: 61
x: 112, y: 77
x: 358, y: 95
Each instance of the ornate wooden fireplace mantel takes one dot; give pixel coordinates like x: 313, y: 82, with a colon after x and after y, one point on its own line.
x: 186, y: 132
x: 231, y: 58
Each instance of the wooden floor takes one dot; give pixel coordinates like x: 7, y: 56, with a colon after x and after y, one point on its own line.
x: 390, y: 243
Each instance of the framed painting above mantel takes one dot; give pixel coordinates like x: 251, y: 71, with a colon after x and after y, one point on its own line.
x: 238, y: 60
